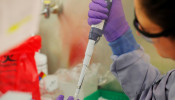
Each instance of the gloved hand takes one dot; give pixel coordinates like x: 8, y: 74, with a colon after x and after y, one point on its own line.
x: 61, y: 97
x: 116, y: 24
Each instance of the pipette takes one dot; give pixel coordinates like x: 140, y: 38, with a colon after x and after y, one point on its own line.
x: 94, y: 36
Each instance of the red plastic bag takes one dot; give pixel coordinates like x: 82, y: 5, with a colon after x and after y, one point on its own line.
x: 18, y: 70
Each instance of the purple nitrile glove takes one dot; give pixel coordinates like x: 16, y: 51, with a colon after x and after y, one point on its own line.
x: 61, y: 97
x: 116, y: 24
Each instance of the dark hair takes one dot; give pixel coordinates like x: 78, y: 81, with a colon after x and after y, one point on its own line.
x: 161, y: 12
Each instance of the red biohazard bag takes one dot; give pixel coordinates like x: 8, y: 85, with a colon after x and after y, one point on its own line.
x: 18, y: 70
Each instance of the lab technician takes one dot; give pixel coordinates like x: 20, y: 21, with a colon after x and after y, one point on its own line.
x: 155, y: 21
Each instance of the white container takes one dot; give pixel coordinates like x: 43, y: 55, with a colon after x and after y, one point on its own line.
x: 14, y: 95
x: 41, y: 63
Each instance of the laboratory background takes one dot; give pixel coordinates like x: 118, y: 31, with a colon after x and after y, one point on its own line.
x: 59, y: 46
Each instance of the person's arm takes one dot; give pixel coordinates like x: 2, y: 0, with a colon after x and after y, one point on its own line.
x: 131, y: 65
x: 126, y: 43
x: 170, y: 84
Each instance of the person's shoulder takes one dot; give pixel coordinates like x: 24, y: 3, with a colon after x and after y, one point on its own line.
x: 171, y: 74
x: 171, y: 85
x: 170, y: 78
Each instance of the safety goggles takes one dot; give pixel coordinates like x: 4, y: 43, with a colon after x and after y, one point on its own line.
x: 146, y: 35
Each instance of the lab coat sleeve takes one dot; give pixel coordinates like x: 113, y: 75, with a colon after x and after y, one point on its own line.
x: 170, y: 86
x: 171, y: 95
x: 134, y: 72
x: 131, y: 66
